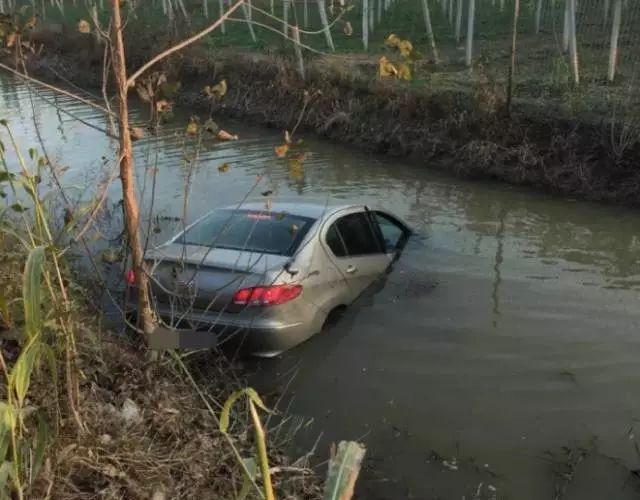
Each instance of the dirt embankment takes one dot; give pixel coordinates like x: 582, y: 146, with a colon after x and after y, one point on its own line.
x: 467, y: 133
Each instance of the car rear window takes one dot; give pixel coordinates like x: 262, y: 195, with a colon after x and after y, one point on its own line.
x: 277, y: 233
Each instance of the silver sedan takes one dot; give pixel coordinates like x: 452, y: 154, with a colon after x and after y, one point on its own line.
x: 267, y: 275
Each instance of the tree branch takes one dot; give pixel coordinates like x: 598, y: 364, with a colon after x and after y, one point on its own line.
x: 185, y: 43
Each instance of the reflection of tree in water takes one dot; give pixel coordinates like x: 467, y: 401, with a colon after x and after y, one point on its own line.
x: 497, y: 281
x: 587, y: 235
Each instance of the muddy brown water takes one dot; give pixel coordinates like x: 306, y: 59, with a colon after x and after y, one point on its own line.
x: 508, y: 328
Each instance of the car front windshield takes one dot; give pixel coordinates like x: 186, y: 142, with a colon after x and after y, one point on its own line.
x: 277, y: 233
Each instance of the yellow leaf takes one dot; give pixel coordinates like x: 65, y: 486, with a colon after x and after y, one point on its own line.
x: 392, y: 40
x: 163, y: 106
x: 31, y: 22
x: 219, y: 90
x: 192, y: 127
x: 404, y: 72
x: 348, y: 29
x: 282, y: 150
x: 385, y: 67
x: 405, y: 47
x: 223, y: 135
x: 84, y: 26
x: 11, y: 39
x: 223, y: 168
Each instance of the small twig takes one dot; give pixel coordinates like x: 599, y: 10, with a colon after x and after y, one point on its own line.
x: 185, y: 43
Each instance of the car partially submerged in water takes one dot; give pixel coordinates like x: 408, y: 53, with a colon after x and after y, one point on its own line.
x: 268, y: 275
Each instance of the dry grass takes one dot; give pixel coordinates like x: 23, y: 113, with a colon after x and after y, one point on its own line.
x: 149, y: 433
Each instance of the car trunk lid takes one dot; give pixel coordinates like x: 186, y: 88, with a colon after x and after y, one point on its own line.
x: 207, y: 278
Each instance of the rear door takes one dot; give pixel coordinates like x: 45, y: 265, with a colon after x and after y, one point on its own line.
x: 354, y: 244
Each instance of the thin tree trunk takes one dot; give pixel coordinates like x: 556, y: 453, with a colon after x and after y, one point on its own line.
x: 127, y: 178
x: 567, y: 27
x: 607, y: 7
x: 221, y: 10
x: 246, y: 11
x: 427, y: 24
x: 285, y: 16
x: 296, y: 46
x: 365, y: 24
x: 372, y: 15
x: 459, y: 20
x: 205, y: 8
x: 470, y: 25
x: 615, y: 35
x: 501, y: 5
x: 538, y: 16
x: 512, y: 66
x: 573, y: 43
x: 325, y: 24
x: 305, y: 13
x: 379, y: 11
x: 450, y: 7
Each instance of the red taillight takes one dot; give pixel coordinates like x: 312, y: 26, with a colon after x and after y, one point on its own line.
x: 266, y: 295
x: 130, y: 277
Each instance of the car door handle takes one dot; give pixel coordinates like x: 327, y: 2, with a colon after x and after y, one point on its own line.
x: 351, y: 269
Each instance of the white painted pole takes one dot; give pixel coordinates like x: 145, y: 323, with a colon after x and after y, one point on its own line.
x: 573, y: 44
x: 296, y: 46
x: 615, y: 36
x: 459, y: 20
x: 470, y: 26
x: 325, y: 24
x: 427, y: 24
x: 567, y: 27
x: 538, y: 16
x: 365, y: 24
x: 221, y: 11
x: 247, y: 15
x: 285, y: 16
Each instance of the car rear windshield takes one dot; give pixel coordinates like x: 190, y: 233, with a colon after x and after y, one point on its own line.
x: 277, y: 233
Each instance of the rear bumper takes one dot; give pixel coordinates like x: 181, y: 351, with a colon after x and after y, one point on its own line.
x: 246, y: 332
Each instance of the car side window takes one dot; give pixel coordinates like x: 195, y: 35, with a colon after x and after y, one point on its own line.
x: 334, y: 241
x: 359, y: 235
x: 393, y: 234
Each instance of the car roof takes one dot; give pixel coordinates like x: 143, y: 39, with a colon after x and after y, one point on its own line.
x: 305, y: 207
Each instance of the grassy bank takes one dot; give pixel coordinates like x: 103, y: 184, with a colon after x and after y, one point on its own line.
x: 148, y: 429
x: 466, y: 132
x: 89, y: 413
